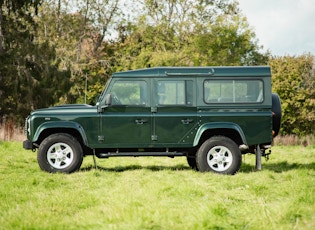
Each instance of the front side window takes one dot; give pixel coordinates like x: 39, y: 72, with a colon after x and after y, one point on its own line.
x: 129, y: 93
x: 233, y: 91
x: 175, y: 92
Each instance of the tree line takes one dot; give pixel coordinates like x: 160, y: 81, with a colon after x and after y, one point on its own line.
x: 58, y: 51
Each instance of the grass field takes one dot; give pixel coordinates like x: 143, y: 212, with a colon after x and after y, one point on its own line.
x: 158, y: 193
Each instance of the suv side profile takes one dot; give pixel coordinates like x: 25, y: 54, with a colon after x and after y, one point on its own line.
x: 210, y: 115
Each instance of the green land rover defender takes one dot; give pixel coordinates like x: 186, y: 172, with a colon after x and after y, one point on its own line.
x: 210, y: 115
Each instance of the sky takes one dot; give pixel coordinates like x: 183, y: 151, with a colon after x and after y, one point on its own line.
x: 284, y: 27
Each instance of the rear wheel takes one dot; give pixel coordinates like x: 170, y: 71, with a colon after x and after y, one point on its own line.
x: 191, y: 160
x: 219, y: 154
x: 60, y: 152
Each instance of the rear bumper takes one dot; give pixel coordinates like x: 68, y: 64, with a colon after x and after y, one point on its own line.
x: 27, y: 144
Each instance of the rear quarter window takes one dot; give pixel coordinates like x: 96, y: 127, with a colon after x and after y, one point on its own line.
x: 233, y: 91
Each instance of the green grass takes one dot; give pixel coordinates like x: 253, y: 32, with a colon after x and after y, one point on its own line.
x: 158, y: 193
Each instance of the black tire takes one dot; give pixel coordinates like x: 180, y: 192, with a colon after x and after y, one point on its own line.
x: 276, y: 118
x: 60, y: 152
x: 191, y: 160
x: 219, y: 154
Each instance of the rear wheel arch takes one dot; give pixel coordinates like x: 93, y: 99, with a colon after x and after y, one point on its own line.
x: 232, y: 131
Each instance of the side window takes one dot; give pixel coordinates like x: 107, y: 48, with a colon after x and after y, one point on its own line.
x: 233, y: 91
x: 175, y: 92
x: 129, y: 93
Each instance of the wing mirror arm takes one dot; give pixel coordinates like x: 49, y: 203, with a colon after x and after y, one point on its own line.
x: 108, y: 102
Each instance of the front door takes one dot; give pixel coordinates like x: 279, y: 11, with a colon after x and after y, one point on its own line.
x: 127, y: 122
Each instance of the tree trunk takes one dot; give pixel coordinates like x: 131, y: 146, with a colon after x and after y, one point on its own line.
x: 1, y: 33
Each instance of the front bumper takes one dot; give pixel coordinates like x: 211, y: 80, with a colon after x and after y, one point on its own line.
x: 27, y: 144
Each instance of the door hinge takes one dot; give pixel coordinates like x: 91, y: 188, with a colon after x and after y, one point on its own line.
x: 154, y: 137
x: 100, y: 138
x: 153, y: 109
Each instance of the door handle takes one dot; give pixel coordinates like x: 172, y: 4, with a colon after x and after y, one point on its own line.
x: 187, y: 121
x: 141, y: 121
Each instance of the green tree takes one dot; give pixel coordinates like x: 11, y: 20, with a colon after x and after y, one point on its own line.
x: 294, y: 81
x: 59, y: 51
x: 227, y: 42
x: 26, y: 71
x: 182, y: 32
x: 81, y: 43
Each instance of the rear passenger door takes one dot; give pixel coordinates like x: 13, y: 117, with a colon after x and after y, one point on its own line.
x: 174, y: 113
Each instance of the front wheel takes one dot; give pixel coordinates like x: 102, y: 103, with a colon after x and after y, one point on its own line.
x: 60, y: 152
x: 219, y: 154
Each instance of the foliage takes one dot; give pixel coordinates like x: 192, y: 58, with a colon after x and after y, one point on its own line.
x: 66, y: 52
x: 294, y: 81
x: 78, y: 39
x: 26, y: 70
x: 290, y: 140
x: 58, y: 51
x: 157, y: 193
x: 186, y: 33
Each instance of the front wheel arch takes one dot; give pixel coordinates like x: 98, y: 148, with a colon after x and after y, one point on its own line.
x: 48, y: 128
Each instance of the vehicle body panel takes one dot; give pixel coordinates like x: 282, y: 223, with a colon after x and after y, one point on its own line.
x: 152, y: 124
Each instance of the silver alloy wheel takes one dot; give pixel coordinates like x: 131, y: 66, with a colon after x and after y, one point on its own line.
x: 219, y: 158
x: 60, y: 155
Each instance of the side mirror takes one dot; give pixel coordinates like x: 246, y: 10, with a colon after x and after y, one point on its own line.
x: 108, y: 99
x: 107, y: 102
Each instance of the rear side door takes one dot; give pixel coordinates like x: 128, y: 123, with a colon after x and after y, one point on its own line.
x: 174, y: 112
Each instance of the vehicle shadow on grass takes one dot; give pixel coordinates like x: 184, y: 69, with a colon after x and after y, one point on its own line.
x: 179, y: 167
x: 245, y: 168
x: 279, y: 167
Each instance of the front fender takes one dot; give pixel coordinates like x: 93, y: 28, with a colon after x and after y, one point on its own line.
x: 60, y: 125
x: 219, y: 125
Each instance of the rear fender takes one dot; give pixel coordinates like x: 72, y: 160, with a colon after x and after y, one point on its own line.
x: 219, y: 125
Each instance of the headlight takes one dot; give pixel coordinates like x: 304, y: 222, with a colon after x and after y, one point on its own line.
x: 27, y: 128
